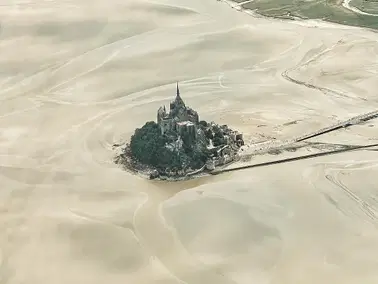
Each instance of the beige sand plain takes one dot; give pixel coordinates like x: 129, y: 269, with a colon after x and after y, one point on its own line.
x: 77, y: 76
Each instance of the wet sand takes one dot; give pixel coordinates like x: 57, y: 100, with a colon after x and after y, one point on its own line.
x: 78, y: 76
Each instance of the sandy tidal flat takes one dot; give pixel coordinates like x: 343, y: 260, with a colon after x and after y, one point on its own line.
x: 78, y: 76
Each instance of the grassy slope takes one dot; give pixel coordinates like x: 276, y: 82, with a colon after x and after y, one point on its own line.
x: 331, y: 11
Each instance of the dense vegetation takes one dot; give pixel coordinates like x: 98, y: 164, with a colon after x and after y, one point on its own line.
x: 149, y: 146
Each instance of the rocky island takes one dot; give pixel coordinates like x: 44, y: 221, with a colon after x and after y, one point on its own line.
x: 179, y: 145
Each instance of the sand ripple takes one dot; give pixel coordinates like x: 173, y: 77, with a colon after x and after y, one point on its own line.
x: 79, y: 76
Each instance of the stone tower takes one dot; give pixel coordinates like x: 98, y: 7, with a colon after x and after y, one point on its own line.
x: 179, y: 118
x: 178, y: 103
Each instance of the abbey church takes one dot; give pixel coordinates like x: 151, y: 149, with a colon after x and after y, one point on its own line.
x: 186, y: 146
x: 180, y: 118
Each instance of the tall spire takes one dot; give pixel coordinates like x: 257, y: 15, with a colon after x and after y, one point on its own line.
x: 177, y: 90
x: 178, y: 101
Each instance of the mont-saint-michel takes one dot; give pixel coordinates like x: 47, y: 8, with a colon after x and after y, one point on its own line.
x: 179, y: 144
x: 79, y: 76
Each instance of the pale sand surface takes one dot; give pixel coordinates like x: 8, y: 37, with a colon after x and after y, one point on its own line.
x: 78, y: 76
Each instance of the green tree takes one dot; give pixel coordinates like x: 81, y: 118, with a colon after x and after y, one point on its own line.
x: 218, y: 137
x: 203, y: 123
x: 149, y: 146
x: 209, y: 134
x: 146, y: 143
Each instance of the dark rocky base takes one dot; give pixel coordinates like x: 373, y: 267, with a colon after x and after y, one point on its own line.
x: 126, y: 160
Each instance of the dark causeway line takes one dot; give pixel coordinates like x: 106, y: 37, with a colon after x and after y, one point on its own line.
x: 287, y: 160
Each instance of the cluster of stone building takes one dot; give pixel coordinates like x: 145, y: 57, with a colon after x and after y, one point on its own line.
x: 184, y: 120
x: 180, y: 118
x: 227, y: 152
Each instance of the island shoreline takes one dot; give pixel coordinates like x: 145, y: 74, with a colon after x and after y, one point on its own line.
x: 179, y: 146
x: 129, y: 164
